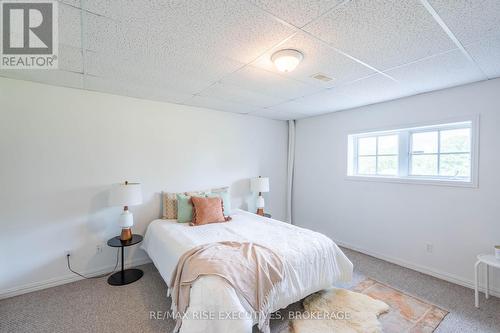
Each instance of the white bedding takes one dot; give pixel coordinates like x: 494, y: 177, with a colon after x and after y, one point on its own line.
x: 314, y: 262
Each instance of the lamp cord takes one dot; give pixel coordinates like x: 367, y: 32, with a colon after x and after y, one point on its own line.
x: 97, y: 276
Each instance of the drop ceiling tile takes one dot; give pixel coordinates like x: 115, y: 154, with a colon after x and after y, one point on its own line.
x: 70, y: 24
x: 318, y: 58
x: 209, y: 67
x: 323, y: 102
x: 120, y: 10
x: 235, y: 94
x: 234, y: 29
x: 374, y: 89
x: 381, y: 33
x: 109, y: 9
x: 487, y: 55
x: 125, y: 67
x: 277, y: 115
x: 470, y: 20
x: 97, y: 64
x: 265, y: 82
x: 74, y: 3
x: 114, y: 86
x: 297, y: 12
x: 52, y: 77
x: 439, y: 72
x: 135, y: 45
x: 221, y: 105
x: 100, y: 33
x: 70, y: 58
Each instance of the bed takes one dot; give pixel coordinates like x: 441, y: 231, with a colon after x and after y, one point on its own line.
x: 314, y: 262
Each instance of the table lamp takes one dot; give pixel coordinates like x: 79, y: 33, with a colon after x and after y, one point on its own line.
x: 127, y: 194
x: 259, y: 185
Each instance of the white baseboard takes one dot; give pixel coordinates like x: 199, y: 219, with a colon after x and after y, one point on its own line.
x: 422, y: 269
x: 71, y: 277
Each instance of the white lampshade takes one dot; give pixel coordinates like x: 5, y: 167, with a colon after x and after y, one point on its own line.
x: 260, y: 184
x: 128, y: 194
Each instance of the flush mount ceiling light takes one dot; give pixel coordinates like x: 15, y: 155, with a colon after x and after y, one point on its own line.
x: 286, y: 60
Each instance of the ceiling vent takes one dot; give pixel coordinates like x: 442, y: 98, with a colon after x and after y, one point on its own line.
x: 321, y: 77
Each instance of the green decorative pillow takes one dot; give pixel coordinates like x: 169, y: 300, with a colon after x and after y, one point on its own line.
x: 184, y: 208
x: 226, y: 199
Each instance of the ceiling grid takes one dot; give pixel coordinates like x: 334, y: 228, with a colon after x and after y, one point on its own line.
x: 217, y: 55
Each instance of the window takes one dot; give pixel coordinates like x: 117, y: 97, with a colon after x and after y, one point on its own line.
x: 440, y: 153
x: 378, y: 155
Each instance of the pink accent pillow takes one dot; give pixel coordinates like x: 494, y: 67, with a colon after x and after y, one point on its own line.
x: 207, y: 210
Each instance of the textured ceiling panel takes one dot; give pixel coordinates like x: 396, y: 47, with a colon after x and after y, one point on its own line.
x: 470, y: 20
x: 259, y: 80
x: 191, y: 76
x: 221, y: 105
x: 374, y: 89
x: 70, y: 25
x: 74, y: 3
x: 297, y: 12
x: 438, y: 72
x: 127, y: 88
x: 111, y: 9
x: 70, y: 58
x: 318, y: 58
x: 383, y: 33
x: 235, y: 94
x: 126, y: 69
x: 100, y: 33
x: 323, y: 102
x: 234, y: 29
x: 487, y: 55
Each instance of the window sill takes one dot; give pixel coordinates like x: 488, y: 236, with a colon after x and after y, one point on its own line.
x: 416, y: 181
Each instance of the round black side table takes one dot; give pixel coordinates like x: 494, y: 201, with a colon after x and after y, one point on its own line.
x: 125, y: 276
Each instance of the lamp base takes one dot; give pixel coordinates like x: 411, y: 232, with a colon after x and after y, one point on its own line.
x: 260, y: 211
x: 126, y: 234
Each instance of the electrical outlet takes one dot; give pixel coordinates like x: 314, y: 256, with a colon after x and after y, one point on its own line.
x: 429, y: 248
x: 99, y: 248
x: 67, y: 253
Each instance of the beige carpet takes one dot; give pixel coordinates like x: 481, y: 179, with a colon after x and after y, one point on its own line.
x: 94, y: 306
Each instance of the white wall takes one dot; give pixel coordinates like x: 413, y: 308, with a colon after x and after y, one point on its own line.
x: 395, y: 221
x: 61, y: 149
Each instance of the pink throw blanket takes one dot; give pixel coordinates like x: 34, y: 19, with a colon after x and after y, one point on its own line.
x: 252, y: 270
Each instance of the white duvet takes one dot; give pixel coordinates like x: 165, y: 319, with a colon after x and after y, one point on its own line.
x: 314, y: 262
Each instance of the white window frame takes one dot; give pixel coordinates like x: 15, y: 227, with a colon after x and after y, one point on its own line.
x: 405, y: 152
x: 377, y: 155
